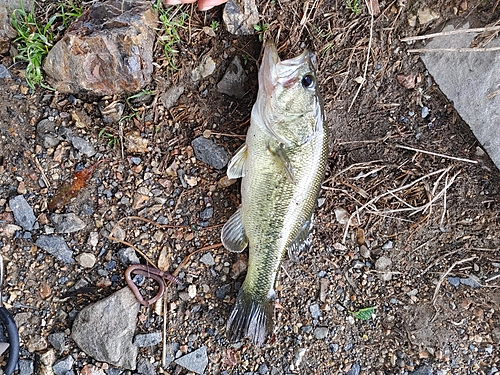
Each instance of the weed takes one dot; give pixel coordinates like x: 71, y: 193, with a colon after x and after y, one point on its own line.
x: 354, y: 6
x: 364, y: 314
x: 113, y: 140
x: 214, y: 25
x: 35, y: 39
x: 171, y: 19
x: 261, y: 29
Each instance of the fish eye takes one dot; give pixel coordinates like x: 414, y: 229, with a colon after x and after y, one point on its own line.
x: 307, y: 81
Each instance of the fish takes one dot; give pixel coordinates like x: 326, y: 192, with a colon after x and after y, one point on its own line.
x: 282, y: 165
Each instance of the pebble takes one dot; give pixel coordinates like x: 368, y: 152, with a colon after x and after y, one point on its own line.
x: 57, y: 247
x: 4, y: 73
x: 263, y: 369
x: 136, y: 144
x: 207, y: 213
x: 26, y: 366
x: 192, y: 291
x: 422, y: 370
x: 210, y: 153
x: 58, y: 341
x: 86, y: 260
x: 46, y: 133
x: 83, y: 146
x: 355, y: 369
x: 206, y: 68
x: 93, y: 239
x: 364, y: 251
x: 315, y: 311
x: 223, y: 291
x: 388, y: 245
x: 383, y: 263
x: 425, y: 112
x: 10, y: 229
x: 145, y: 367
x: 341, y: 215
x: 320, y: 333
x: 207, y: 259
x: 195, y: 361
x: 171, y: 349
x: 23, y: 213
x: 67, y: 223
x: 232, y: 83
x: 471, y: 281
x: 64, y: 365
x: 170, y: 97
x: 128, y: 256
x: 426, y: 15
x: 455, y: 281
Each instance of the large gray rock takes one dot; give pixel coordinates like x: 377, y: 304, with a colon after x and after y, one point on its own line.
x: 105, y: 329
x: 471, y: 80
x: 107, y: 51
x: 240, y: 16
x: 195, y: 361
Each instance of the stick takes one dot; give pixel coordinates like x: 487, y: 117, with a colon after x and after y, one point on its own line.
x: 462, y: 49
x: 451, y: 32
x: 367, y: 60
x: 436, y: 154
x: 436, y: 291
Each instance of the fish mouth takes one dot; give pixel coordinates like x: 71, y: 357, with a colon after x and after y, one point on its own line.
x: 273, y: 71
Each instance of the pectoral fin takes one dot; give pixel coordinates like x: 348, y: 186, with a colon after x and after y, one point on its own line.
x: 283, y: 160
x: 236, y: 166
x: 233, y: 234
x: 302, y: 241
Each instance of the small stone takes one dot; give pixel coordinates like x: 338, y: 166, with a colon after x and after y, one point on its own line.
x: 341, y: 215
x: 263, y: 369
x: 93, y: 239
x: 455, y: 281
x: 388, y: 245
x: 315, y: 311
x: 471, y: 281
x: 223, y: 291
x: 67, y: 223
x: 207, y: 259
x: 36, y: 343
x: 136, y: 144
x: 355, y: 369
x: 206, y: 68
x: 422, y: 370
x: 57, y: 247
x: 425, y: 112
x: 10, y: 229
x: 139, y: 201
x: 195, y: 361
x: 145, y: 367
x: 364, y: 251
x: 4, y: 73
x: 59, y: 341
x: 207, y: 213
x: 426, y: 15
x: 320, y: 333
x: 128, y: 256
x: 210, y: 153
x: 240, y: 16
x: 26, y: 366
x: 47, y: 359
x: 383, y: 263
x: 83, y: 146
x: 23, y: 213
x: 232, y: 83
x: 147, y: 339
x: 64, y: 365
x: 86, y: 260
x: 46, y: 133
x: 192, y: 291
x: 170, y: 97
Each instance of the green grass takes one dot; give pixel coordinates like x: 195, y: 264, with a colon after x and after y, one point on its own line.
x: 354, y: 6
x: 172, y: 19
x: 35, y: 39
x: 214, y: 25
x: 113, y: 140
x: 261, y: 29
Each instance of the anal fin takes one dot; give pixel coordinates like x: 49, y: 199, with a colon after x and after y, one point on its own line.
x: 302, y: 241
x: 233, y: 234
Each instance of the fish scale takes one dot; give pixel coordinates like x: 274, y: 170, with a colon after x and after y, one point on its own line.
x: 282, y: 165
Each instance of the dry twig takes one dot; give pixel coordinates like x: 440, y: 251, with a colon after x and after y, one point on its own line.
x: 436, y: 154
x: 451, y: 32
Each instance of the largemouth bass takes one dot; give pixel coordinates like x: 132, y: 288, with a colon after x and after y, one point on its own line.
x: 282, y: 165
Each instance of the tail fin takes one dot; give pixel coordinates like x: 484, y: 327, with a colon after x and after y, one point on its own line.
x: 250, y: 318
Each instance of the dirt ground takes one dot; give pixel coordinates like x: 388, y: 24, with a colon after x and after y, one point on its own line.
x: 393, y: 224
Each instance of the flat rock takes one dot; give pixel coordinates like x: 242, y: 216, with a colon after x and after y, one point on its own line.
x: 64, y: 365
x: 105, y: 329
x: 23, y: 213
x: 57, y: 247
x: 4, y: 72
x: 233, y: 81
x: 207, y: 259
x: 170, y: 97
x: 67, y: 223
x: 46, y: 133
x: 209, y: 152
x: 107, y: 51
x: 472, y: 85
x: 82, y: 145
x: 195, y: 361
x: 148, y: 339
x: 240, y: 16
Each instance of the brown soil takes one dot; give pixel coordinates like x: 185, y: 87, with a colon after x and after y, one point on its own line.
x: 420, y: 317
